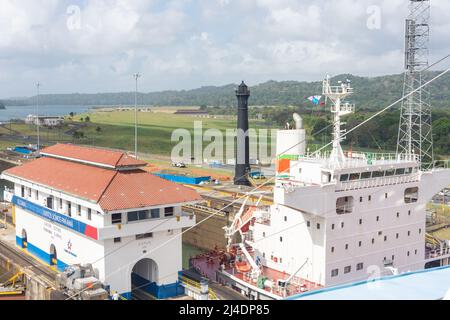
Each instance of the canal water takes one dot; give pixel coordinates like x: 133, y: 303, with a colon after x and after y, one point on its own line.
x: 21, y: 112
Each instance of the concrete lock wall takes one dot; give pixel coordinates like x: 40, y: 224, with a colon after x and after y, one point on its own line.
x: 208, y: 234
x: 35, y: 288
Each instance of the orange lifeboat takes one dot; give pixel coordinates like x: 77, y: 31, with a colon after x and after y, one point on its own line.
x: 243, y: 266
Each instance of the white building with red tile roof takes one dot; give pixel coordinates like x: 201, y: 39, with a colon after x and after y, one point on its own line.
x: 90, y: 205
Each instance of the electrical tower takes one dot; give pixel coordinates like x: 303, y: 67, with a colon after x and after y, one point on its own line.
x: 415, y: 136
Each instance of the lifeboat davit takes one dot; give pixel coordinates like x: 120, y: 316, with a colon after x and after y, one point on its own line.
x: 243, y: 266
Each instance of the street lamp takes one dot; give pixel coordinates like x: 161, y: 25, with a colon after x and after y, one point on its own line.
x: 136, y: 77
x: 38, y: 85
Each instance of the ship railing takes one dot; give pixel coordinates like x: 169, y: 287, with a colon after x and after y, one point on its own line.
x: 345, y: 107
x: 437, y: 253
x: 376, y: 182
x: 358, y: 159
x: 441, y: 164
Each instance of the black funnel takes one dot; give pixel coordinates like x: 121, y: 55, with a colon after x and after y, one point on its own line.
x: 243, y: 143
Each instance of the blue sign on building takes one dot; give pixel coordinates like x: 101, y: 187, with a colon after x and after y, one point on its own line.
x: 56, y: 217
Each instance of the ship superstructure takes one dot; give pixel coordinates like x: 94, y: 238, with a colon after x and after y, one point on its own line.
x: 337, y: 217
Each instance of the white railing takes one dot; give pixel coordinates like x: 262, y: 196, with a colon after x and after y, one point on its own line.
x: 376, y: 182
x: 358, y: 159
x: 437, y: 253
x: 344, y: 108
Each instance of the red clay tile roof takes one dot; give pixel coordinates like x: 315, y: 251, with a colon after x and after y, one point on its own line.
x: 81, y: 180
x: 138, y: 189
x: 103, y: 157
x: 113, y: 190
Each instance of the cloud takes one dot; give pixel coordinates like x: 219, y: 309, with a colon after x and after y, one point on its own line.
x: 95, y: 46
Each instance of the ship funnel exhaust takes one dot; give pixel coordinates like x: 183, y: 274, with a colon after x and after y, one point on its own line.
x: 243, y: 144
x: 298, y: 121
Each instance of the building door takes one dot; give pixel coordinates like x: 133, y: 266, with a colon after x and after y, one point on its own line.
x: 144, y: 278
x: 24, y: 243
x: 53, y: 256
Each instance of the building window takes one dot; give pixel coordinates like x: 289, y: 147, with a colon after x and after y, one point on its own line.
x: 420, y: 231
x: 29, y: 192
x: 50, y: 202
x: 22, y: 192
x: 360, y: 199
x: 415, y: 252
x: 398, y: 214
x: 332, y: 249
x: 347, y: 269
x: 318, y: 226
x: 408, y: 254
x: 409, y: 233
x: 334, y: 272
x: 385, y: 195
x: 344, y: 177
x: 344, y: 205
x: 378, y: 218
x: 332, y: 226
x: 373, y: 240
x: 264, y: 234
x: 360, y: 266
x: 79, y: 210
x: 168, y: 212
x: 393, y: 257
x: 385, y: 238
x: 346, y: 246
x: 37, y: 195
x: 60, y: 203
x: 360, y: 221
x: 138, y: 215
x: 370, y: 198
x: 89, y: 214
x: 117, y: 240
x: 409, y: 212
x: 154, y: 213
x: 342, y: 225
x: 285, y: 218
x: 360, y: 243
x: 69, y: 208
x: 411, y: 195
x: 116, y: 218
x: 397, y: 235
x: 144, y: 236
x: 281, y: 239
x: 366, y: 175
x: 308, y: 224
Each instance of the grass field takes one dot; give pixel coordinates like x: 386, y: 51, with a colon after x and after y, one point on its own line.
x: 117, y: 130
x: 154, y: 129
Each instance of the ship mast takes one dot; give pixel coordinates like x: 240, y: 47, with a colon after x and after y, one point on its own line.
x: 339, y: 108
x: 415, y: 136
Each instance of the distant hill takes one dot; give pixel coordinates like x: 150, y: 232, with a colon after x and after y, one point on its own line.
x: 370, y: 93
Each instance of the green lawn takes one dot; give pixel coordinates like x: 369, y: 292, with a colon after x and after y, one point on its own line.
x: 154, y: 129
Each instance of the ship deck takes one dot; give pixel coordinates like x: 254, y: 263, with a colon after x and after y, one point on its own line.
x: 208, y: 264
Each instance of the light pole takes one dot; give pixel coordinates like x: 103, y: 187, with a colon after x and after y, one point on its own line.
x: 136, y: 77
x: 38, y: 85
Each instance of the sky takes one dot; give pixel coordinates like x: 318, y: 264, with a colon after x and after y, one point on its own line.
x: 96, y: 46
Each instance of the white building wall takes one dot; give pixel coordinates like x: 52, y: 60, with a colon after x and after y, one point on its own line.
x: 164, y: 249
x: 42, y: 234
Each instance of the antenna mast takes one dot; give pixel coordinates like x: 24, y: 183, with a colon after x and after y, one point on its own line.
x: 415, y: 136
